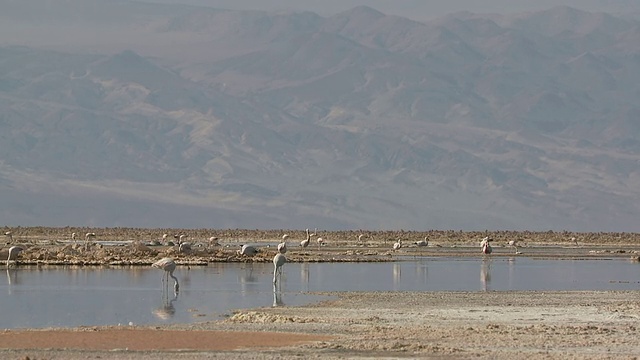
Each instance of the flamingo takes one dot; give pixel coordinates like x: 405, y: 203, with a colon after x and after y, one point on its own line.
x: 168, y: 266
x: 9, y: 236
x: 360, y: 241
x: 514, y: 244
x: 486, y: 247
x: 397, y: 245
x: 282, y: 247
x: 213, y: 241
x: 278, y: 261
x: 13, y: 254
x: 184, y: 247
x: 87, y: 236
x: 424, y: 242
x: 73, y: 236
x: 320, y: 242
x: 304, y: 243
x: 248, y: 250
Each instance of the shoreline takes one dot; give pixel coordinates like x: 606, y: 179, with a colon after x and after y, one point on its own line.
x: 441, y: 325
x: 437, y: 325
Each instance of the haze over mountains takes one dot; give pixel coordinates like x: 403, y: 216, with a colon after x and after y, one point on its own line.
x: 121, y: 113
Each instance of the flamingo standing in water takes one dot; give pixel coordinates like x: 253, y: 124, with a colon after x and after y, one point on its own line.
x: 168, y: 266
x: 514, y: 244
x: 485, y: 246
x: 13, y: 254
x: 278, y: 261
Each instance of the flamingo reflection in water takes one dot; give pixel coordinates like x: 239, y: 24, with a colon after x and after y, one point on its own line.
x: 485, y: 274
x: 397, y: 274
x: 277, y: 295
x: 167, y: 310
x: 304, y: 275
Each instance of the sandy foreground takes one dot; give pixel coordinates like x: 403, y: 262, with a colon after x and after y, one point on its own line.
x: 436, y: 325
x: 432, y: 325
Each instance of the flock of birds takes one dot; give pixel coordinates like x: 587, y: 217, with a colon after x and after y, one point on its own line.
x: 168, y: 265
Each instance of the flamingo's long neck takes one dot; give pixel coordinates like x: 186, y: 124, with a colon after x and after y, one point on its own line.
x: 176, y: 286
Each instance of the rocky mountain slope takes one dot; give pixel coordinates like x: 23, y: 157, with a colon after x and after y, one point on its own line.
x: 147, y: 115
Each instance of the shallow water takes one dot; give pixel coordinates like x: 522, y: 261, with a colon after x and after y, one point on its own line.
x: 68, y: 296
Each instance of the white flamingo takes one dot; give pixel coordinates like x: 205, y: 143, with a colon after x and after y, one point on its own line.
x: 397, y: 245
x: 485, y: 246
x: 13, y: 254
x: 514, y: 244
x: 304, y: 243
x: 9, y: 236
x: 184, y: 247
x: 248, y: 250
x: 74, y: 236
x: 282, y: 247
x: 320, y: 242
x: 278, y: 261
x: 168, y: 266
x: 87, y: 236
x: 424, y: 242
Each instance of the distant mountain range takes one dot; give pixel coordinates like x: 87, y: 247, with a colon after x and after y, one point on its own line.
x: 118, y: 113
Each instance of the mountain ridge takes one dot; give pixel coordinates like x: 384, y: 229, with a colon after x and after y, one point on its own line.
x: 463, y: 122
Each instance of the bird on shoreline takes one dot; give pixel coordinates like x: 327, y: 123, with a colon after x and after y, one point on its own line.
x: 424, y: 242
x: 282, y: 248
x: 397, y: 245
x: 304, y: 243
x: 89, y: 235
x: 168, y: 266
x: 248, y: 250
x: 13, y: 254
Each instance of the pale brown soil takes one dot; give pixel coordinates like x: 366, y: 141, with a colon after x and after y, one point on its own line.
x: 433, y: 325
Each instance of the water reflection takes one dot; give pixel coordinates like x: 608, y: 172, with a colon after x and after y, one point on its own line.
x: 12, y: 279
x: 77, y: 296
x: 304, y: 276
x: 422, y: 271
x: 167, y: 310
x: 397, y: 275
x: 485, y: 274
x: 277, y: 294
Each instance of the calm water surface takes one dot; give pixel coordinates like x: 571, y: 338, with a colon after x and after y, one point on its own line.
x: 67, y: 296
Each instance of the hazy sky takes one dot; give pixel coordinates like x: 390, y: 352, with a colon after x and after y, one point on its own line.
x: 416, y: 9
